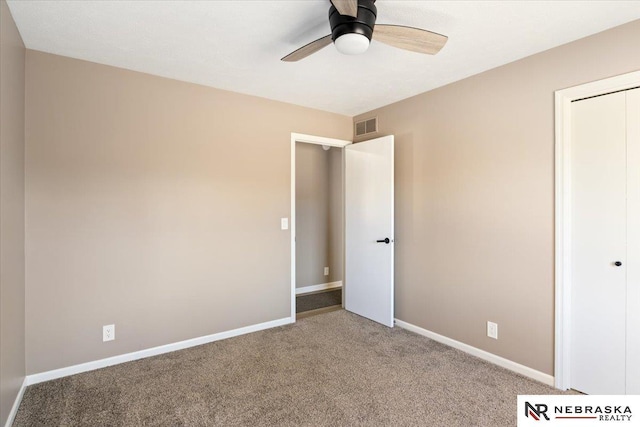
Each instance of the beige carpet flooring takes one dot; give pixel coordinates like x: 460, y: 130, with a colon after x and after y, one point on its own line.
x: 335, y: 369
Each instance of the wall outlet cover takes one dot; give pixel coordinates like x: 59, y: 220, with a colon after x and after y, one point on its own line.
x: 326, y: 271
x: 108, y: 333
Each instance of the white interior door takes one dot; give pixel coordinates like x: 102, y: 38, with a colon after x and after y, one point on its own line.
x: 599, y: 244
x: 368, y: 222
x: 633, y: 241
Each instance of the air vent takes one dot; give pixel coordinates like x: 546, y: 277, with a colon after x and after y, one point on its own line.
x: 367, y: 126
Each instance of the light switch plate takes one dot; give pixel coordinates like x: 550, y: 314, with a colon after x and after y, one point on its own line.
x: 284, y: 223
x: 492, y: 330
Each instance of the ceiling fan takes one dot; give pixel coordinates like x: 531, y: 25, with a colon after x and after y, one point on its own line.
x: 353, y: 25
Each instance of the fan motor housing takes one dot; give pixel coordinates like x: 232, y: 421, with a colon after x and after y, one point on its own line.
x: 362, y: 24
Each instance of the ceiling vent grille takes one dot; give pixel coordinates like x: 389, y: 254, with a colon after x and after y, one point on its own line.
x: 367, y: 126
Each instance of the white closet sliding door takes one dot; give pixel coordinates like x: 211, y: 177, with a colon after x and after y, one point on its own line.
x: 605, y: 206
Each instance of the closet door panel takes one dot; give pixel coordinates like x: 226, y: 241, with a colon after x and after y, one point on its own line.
x: 633, y: 241
x: 599, y: 209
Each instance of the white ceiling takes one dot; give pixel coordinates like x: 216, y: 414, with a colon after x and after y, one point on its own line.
x: 237, y: 45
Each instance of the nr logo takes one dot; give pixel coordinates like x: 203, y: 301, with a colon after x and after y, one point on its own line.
x: 536, y: 411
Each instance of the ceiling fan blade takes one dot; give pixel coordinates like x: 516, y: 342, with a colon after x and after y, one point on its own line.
x: 308, y: 49
x: 346, y: 7
x: 409, y: 38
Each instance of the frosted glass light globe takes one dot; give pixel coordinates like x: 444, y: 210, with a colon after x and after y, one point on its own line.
x: 352, y: 44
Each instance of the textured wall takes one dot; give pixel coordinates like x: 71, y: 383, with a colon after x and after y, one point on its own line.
x: 12, y: 284
x: 152, y: 204
x: 475, y: 196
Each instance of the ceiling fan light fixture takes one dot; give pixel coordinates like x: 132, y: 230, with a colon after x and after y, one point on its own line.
x: 352, y: 28
x: 352, y: 44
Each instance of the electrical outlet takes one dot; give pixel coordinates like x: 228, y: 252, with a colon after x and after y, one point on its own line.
x: 492, y: 330
x: 326, y: 271
x: 108, y: 333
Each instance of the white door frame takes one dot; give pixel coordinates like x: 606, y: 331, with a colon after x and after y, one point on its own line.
x: 309, y: 139
x: 563, y: 99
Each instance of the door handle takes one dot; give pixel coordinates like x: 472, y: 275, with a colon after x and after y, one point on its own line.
x: 386, y: 240
x: 617, y: 263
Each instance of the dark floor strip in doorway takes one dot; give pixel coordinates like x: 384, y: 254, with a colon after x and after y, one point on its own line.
x: 318, y: 300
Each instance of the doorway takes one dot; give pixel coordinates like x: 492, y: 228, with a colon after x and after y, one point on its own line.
x: 314, y: 268
x: 598, y: 236
x: 368, y: 225
x: 319, y: 229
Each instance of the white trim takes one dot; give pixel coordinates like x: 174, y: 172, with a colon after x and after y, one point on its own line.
x: 484, y: 355
x: 320, y: 287
x: 309, y: 139
x: 16, y: 404
x: 319, y: 140
x: 292, y: 227
x: 563, y: 99
x: 115, y: 360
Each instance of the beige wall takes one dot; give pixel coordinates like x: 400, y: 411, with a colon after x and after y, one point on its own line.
x: 12, y: 286
x: 318, y: 214
x: 475, y: 196
x: 312, y: 214
x: 152, y: 204
x: 336, y: 212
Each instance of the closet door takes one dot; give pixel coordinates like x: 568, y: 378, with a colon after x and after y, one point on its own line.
x: 633, y: 242
x: 599, y: 241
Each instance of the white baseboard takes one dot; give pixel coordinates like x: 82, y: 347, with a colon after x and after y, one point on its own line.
x: 115, y: 360
x: 320, y: 287
x: 484, y: 355
x: 16, y: 404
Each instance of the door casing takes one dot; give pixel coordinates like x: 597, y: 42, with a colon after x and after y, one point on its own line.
x: 563, y: 99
